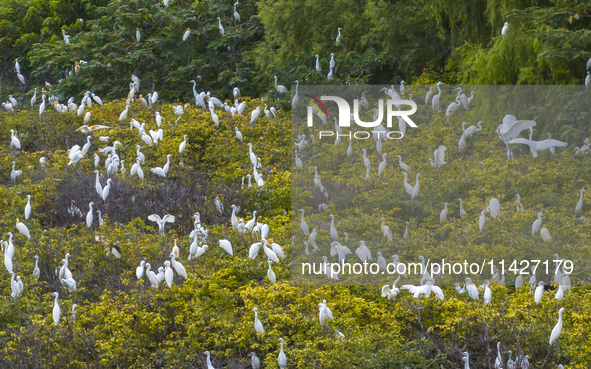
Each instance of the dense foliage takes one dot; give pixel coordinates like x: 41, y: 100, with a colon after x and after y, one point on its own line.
x: 124, y: 323
x: 381, y: 42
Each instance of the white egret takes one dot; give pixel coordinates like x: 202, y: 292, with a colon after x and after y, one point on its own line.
x: 167, y: 165
x: 89, y: 216
x: 254, y: 250
x: 158, y: 171
x: 8, y: 261
x: 296, y: 98
x: 468, y: 132
x: 251, y: 223
x: 494, y: 207
x: 106, y: 190
x: 462, y: 211
x: 415, y: 190
x: 161, y: 221
x: 406, y: 234
x: 254, y: 115
x: 391, y: 293
x: 407, y: 186
x: 303, y: 225
x: 178, y: 267
x: 466, y: 360
x: 124, y: 113
x: 436, y: 102
x: 579, y: 205
x: 281, y: 359
x: 363, y: 251
x: 535, y: 146
x: 443, y: 214
x: 428, y: 95
x: 226, y: 246
x: 499, y: 360
x: 471, y: 289
x: 28, y: 207
x: 539, y: 293
x: 557, y: 328
x: 139, y: 271
x: 271, y: 274
x: 279, y: 88
x: 439, y: 156
x: 258, y: 326
x: 505, y: 29
x: 403, y: 166
x: 537, y: 224
x: 487, y: 292
x: 56, y: 308
x: 334, y: 235
x: 14, y: 141
x: 271, y: 254
x: 511, y: 127
x: 518, y: 206
x: 254, y: 361
x: 154, y: 281
x: 324, y: 313
x: 222, y: 31
x: 15, y: 173
x: 168, y: 274
x: 36, y: 270
x: 238, y: 134
x: 186, y: 34
x: 462, y: 144
x: 298, y: 161
x: 233, y: 218
x: 382, y: 165
x: 22, y: 228
x: 183, y: 145
x: 366, y: 161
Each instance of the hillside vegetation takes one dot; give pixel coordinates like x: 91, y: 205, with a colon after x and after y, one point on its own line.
x: 121, y: 322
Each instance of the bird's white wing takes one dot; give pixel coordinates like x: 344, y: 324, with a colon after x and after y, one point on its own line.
x: 521, y: 141
x: 516, y: 128
x: 546, y: 144
x: 385, y: 290
x: 438, y: 292
x: 508, y: 120
x: 155, y: 218
x: 168, y: 218
x: 343, y: 251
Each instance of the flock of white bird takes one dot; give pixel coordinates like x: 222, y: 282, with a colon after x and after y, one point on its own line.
x: 508, y: 132
x: 114, y: 166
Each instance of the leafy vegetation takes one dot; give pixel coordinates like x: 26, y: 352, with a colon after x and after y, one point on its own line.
x: 125, y: 323
x: 382, y: 42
